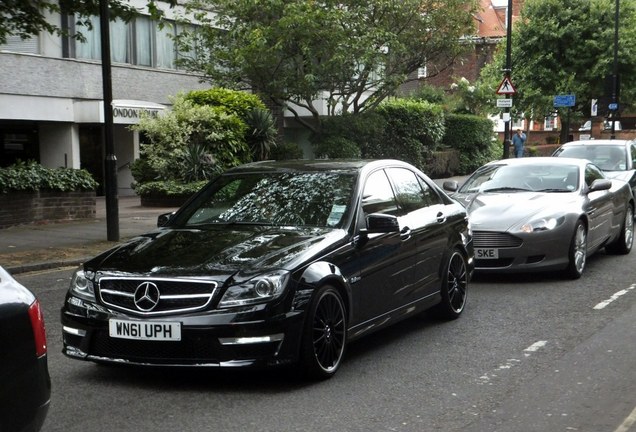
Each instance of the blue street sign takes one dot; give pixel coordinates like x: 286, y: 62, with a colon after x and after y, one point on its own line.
x: 613, y: 106
x: 565, y: 100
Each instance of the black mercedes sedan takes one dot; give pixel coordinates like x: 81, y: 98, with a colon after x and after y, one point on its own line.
x: 273, y: 264
x: 25, y: 385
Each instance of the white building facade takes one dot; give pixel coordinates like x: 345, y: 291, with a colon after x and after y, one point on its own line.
x: 51, y: 102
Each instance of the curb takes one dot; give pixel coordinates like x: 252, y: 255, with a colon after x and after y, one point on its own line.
x: 26, y: 268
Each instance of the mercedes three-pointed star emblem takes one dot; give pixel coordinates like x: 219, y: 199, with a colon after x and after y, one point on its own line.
x: 146, y: 296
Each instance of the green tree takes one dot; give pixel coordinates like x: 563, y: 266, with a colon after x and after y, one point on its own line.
x: 325, y: 57
x: 27, y: 18
x: 567, y: 48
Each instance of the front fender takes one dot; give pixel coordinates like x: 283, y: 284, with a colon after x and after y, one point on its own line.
x: 316, y: 275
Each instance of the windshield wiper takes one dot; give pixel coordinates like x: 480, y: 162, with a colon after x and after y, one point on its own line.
x: 554, y: 190
x: 506, y: 188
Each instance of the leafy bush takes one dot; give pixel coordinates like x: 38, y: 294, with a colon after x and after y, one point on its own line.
x: 474, y: 138
x: 365, y: 130
x: 337, y: 148
x: 231, y: 101
x: 261, y: 132
x: 218, y: 138
x: 414, y: 129
x: 31, y: 176
x: 286, y: 151
x: 169, y: 188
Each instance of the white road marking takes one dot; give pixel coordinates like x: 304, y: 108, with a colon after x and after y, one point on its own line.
x: 534, y: 347
x: 628, y: 423
x: 614, y: 297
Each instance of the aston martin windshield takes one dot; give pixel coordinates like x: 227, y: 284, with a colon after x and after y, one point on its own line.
x: 321, y: 199
x: 514, y: 178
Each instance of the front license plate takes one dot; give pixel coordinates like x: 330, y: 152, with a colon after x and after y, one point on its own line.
x: 482, y: 253
x: 141, y: 330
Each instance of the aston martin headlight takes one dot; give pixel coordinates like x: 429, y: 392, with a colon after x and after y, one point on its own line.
x: 543, y: 224
x: 81, y: 286
x: 260, y: 289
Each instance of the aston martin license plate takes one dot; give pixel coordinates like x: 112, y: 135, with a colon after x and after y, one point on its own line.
x: 483, y: 253
x: 141, y: 330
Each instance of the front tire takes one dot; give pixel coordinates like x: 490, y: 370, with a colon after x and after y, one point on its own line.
x: 578, y: 251
x: 623, y: 243
x: 325, y: 334
x: 454, y: 286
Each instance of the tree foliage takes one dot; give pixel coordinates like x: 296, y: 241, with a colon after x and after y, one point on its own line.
x: 325, y: 57
x: 28, y: 18
x: 567, y: 48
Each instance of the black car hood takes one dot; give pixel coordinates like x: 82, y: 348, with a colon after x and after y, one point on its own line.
x: 216, y: 251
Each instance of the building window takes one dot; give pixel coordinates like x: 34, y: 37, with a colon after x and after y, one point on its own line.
x: 141, y: 42
x: 550, y: 123
x: 17, y: 44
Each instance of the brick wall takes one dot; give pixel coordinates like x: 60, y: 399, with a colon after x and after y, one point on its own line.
x: 44, y: 207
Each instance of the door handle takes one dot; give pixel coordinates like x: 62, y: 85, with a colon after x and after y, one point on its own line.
x: 405, y: 234
x: 440, y: 217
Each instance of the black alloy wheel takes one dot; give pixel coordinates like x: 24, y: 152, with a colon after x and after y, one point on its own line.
x: 454, y: 287
x: 325, y: 334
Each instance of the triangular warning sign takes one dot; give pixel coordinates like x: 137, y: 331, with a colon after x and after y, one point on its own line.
x: 506, y: 87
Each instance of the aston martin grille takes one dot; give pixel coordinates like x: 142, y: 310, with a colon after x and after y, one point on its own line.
x: 155, y: 296
x: 489, y: 239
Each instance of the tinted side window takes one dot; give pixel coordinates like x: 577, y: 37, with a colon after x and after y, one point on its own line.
x: 408, y: 190
x: 378, y: 195
x: 633, y: 154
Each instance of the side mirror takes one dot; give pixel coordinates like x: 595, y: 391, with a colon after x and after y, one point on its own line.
x: 600, y: 184
x: 450, y: 185
x: 382, y: 223
x: 163, y: 219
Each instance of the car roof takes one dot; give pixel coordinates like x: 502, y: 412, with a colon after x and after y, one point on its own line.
x: 345, y: 165
x: 542, y: 160
x: 594, y: 143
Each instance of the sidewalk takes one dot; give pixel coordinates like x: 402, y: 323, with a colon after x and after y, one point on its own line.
x: 68, y: 243
x: 38, y: 247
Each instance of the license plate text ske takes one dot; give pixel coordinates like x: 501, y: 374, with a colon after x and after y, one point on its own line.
x: 482, y: 253
x: 165, y: 331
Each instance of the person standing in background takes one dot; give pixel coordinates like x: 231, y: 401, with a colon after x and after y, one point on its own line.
x: 518, y: 140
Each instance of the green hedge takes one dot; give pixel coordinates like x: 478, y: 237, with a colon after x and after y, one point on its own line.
x: 363, y: 134
x: 31, y: 176
x: 474, y: 137
x: 230, y: 101
x: 169, y: 188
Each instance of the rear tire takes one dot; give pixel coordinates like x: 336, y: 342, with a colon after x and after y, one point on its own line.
x: 578, y: 251
x: 324, y: 334
x: 454, y: 286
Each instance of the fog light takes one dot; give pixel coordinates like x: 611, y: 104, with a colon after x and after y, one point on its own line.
x: 252, y: 340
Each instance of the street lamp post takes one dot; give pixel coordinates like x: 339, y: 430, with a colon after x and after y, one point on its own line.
x: 615, y: 73
x: 110, y: 163
x: 507, y: 70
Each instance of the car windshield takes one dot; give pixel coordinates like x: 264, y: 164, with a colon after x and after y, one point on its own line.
x: 606, y: 157
x: 321, y: 199
x: 513, y: 178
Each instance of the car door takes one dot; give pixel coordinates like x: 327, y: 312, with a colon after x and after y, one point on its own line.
x: 599, y: 209
x: 424, y: 214
x: 387, y: 260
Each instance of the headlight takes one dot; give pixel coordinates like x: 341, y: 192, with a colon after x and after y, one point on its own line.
x: 81, y: 286
x: 256, y: 290
x: 544, y: 224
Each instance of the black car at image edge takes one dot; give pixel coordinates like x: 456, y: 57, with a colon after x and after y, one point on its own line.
x: 25, y: 384
x: 273, y: 264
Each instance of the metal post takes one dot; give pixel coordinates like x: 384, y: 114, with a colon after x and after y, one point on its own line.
x: 110, y: 162
x: 615, y: 73
x: 507, y: 70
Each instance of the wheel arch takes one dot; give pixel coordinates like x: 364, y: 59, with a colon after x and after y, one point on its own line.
x: 315, y: 276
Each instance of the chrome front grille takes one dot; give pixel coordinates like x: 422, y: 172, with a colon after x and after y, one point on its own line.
x: 490, y: 239
x: 155, y: 296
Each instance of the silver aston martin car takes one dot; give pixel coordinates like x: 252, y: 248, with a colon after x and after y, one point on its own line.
x: 545, y: 213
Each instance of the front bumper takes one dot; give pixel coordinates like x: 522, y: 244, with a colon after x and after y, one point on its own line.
x: 213, y: 339
x: 545, y: 251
